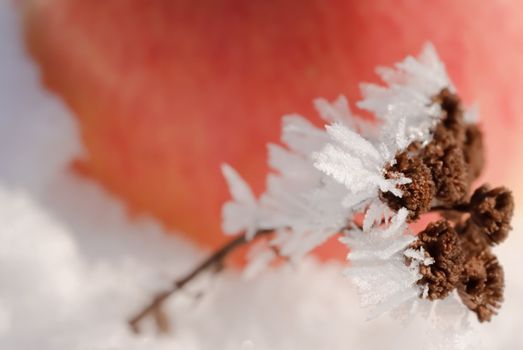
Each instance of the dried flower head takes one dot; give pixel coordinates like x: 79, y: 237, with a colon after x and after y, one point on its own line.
x: 416, y: 195
x: 473, y: 238
x: 441, y: 243
x: 450, y: 131
x: 481, y: 287
x: 448, y: 171
x: 445, y: 154
x: 473, y: 150
x: 492, y: 210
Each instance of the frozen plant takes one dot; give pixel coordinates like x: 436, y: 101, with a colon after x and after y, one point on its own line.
x: 367, y: 180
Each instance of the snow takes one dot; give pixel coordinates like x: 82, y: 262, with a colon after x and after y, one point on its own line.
x: 73, y: 266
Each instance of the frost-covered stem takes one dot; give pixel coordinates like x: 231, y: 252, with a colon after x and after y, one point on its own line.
x: 216, y: 259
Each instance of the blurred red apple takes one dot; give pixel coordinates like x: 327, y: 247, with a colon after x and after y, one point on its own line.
x: 164, y: 91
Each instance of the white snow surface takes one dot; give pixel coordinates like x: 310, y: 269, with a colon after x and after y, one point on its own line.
x: 73, y: 266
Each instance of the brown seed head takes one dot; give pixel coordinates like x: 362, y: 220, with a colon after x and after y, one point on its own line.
x: 442, y: 173
x: 440, y: 241
x: 449, y: 171
x: 445, y: 155
x: 473, y: 239
x: 451, y: 129
x: 418, y: 194
x: 482, y: 284
x: 473, y: 150
x: 492, y: 211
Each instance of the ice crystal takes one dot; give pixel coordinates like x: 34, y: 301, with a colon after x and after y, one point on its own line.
x: 241, y: 213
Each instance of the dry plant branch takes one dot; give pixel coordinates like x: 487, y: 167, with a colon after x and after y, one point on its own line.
x: 215, y: 260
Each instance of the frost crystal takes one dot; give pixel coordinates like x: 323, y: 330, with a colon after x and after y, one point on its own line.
x: 324, y: 179
x: 241, y: 213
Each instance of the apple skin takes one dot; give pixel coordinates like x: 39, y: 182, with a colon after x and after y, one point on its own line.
x: 165, y: 91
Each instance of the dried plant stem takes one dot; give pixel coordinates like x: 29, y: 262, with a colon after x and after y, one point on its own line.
x: 462, y: 208
x: 215, y: 260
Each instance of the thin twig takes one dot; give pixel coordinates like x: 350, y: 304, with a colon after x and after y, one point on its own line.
x: 214, y: 260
